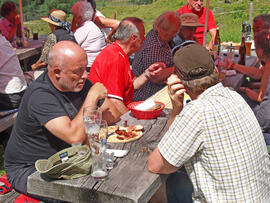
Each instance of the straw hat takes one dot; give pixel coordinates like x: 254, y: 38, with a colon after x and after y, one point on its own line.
x: 58, y: 14
x: 190, y: 19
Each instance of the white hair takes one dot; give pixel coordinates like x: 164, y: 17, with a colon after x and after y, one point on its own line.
x: 83, y: 9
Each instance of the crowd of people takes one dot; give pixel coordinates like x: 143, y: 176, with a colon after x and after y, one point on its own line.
x: 215, y: 148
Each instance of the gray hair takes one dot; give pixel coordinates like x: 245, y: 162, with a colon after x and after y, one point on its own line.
x: 166, y: 21
x: 128, y: 26
x: 199, y: 85
x: 262, y: 41
x: 83, y: 9
x: 265, y: 20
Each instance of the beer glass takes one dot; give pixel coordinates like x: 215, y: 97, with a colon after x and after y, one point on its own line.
x: 248, y: 47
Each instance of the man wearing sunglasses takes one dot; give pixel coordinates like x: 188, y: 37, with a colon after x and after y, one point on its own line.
x: 215, y: 136
x: 196, y: 7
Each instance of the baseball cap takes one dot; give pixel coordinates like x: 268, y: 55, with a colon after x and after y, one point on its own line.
x: 193, y: 61
x: 190, y: 20
x: 69, y: 163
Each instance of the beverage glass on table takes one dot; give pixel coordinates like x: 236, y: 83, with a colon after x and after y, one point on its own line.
x: 248, y: 47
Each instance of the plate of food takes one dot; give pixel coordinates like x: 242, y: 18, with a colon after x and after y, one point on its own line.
x: 121, y: 134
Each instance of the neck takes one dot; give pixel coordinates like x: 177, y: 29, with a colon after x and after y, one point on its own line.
x: 126, y: 47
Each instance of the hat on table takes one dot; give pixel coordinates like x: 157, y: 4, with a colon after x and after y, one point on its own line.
x: 193, y: 61
x: 55, y: 17
x: 190, y: 19
x: 70, y: 163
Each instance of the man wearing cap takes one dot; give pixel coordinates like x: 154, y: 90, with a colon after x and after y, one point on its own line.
x: 189, y: 24
x: 60, y: 31
x: 196, y: 7
x: 215, y: 136
x: 50, y: 116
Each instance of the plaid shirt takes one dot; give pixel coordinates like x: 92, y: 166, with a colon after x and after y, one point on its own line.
x: 220, y: 142
x: 153, y: 50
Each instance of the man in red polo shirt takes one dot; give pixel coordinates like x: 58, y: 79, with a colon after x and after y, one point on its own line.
x: 111, y: 67
x: 196, y: 7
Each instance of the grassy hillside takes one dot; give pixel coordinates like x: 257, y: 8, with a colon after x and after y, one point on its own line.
x: 228, y: 16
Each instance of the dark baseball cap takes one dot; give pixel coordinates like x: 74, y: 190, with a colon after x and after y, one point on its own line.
x: 70, y: 163
x: 193, y: 61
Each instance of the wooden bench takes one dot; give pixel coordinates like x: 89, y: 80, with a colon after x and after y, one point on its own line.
x: 9, y: 197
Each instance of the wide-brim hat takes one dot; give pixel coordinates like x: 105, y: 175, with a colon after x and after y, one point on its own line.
x: 55, y: 14
x: 193, y: 61
x: 70, y: 163
x: 190, y: 20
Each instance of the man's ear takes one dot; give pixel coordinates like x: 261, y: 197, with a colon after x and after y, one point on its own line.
x: 57, y: 72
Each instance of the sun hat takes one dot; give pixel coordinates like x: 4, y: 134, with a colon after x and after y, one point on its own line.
x: 193, y: 61
x: 69, y: 163
x: 55, y: 17
x: 190, y: 19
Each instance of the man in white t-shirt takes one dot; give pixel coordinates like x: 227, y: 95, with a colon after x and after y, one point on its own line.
x: 87, y: 34
x: 12, y: 82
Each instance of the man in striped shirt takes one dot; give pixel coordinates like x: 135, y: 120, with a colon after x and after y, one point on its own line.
x: 215, y: 136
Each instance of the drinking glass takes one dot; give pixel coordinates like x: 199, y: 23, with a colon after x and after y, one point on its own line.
x: 98, y: 169
x: 92, y: 119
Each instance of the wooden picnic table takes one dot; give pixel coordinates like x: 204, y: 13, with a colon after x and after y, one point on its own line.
x: 128, y: 181
x: 34, y: 48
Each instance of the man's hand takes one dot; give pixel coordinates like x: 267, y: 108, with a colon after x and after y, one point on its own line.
x: 154, y: 69
x: 16, y: 20
x: 176, y: 92
x: 98, y: 90
x: 226, y: 63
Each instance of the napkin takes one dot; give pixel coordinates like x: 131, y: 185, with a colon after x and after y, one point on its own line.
x: 147, y: 104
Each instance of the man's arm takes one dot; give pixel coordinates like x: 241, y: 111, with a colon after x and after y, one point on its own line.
x: 121, y: 107
x: 72, y: 131
x: 157, y: 164
x: 212, y: 33
x: 176, y: 92
x: 109, y: 112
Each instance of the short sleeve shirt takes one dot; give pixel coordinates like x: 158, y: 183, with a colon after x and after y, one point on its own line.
x: 153, y: 50
x: 30, y: 140
x: 201, y: 15
x: 112, y: 69
x: 219, y: 140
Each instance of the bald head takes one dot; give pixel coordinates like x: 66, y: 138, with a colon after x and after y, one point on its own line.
x: 62, y: 52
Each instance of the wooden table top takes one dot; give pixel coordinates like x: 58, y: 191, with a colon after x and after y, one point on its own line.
x: 128, y: 181
x: 34, y: 48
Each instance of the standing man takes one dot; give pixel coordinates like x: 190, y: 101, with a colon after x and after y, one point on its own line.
x: 196, y: 7
x: 215, y: 136
x: 50, y: 117
x: 112, y: 68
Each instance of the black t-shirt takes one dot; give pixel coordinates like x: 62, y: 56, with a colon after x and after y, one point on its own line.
x: 30, y: 140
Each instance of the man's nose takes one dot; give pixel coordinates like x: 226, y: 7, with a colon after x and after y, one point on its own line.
x: 85, y: 74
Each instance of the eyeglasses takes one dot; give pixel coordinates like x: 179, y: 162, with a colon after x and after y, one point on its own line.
x: 185, y: 43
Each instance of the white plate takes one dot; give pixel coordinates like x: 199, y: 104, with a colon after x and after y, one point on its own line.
x: 118, y: 152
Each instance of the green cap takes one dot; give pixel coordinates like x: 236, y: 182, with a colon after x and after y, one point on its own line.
x: 193, y: 61
x: 70, y: 163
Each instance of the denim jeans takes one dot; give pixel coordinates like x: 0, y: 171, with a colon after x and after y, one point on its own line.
x: 179, y: 188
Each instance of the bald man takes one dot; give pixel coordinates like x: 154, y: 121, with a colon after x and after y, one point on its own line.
x: 51, y: 112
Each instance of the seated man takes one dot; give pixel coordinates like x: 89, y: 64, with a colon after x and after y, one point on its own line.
x: 12, y: 81
x: 9, y: 21
x: 50, y: 117
x: 112, y: 68
x: 189, y: 24
x: 215, y: 136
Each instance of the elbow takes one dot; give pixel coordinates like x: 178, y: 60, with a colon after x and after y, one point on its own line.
x: 152, y: 168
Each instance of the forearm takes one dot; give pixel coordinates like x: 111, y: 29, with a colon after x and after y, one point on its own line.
x: 12, y: 33
x: 103, y: 22
x: 253, y: 95
x: 255, y: 73
x: 140, y: 81
x: 121, y: 107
